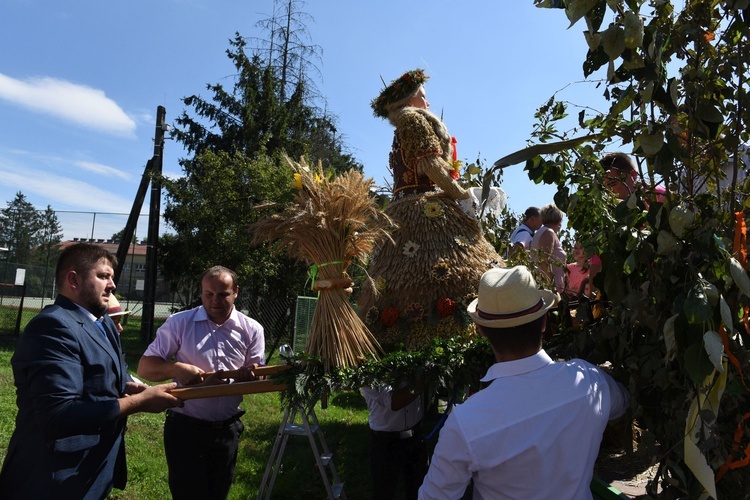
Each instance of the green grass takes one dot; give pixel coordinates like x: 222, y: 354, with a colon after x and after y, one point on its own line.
x: 344, y: 424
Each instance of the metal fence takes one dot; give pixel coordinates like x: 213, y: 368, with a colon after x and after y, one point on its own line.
x: 277, y: 316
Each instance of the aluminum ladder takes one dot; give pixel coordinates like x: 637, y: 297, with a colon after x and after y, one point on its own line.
x: 309, y: 427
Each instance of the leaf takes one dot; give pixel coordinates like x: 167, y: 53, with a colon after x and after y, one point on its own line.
x: 593, y: 40
x: 669, y: 339
x: 709, y: 113
x: 650, y: 143
x: 680, y: 218
x: 648, y: 92
x: 625, y: 100
x: 540, y: 149
x: 613, y: 41
x: 674, y: 91
x: 630, y: 264
x: 473, y: 169
x: 696, y: 306
x: 633, y: 30
x: 594, y: 60
x: 611, y: 71
x: 700, y: 405
x: 714, y: 348
x: 576, y: 9
x: 697, y: 364
x: 739, y: 275
x: 666, y: 243
x: 726, y: 315
x: 698, y: 465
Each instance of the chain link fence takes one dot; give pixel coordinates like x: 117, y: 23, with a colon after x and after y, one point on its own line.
x: 276, y: 315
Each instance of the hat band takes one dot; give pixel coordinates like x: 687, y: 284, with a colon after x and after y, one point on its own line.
x: 117, y: 309
x: 530, y: 310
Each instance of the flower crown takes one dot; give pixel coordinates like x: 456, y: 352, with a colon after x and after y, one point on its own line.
x: 400, y: 88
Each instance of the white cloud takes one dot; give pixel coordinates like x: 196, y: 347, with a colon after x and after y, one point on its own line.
x: 62, y: 193
x: 104, y: 170
x: 79, y: 104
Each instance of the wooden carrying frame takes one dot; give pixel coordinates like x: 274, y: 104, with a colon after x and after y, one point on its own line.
x: 235, y: 389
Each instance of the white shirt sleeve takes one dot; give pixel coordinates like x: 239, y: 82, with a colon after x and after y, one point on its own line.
x: 620, y: 398
x: 166, y: 342
x: 451, y: 464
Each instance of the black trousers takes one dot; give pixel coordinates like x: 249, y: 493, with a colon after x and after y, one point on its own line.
x: 201, y: 456
x: 393, y: 459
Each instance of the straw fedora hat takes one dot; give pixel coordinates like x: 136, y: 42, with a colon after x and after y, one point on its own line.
x: 509, y: 296
x: 115, y: 309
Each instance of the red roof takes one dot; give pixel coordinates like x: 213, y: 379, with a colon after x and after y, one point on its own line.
x: 109, y: 245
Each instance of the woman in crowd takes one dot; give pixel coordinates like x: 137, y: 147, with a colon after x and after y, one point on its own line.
x: 546, y: 248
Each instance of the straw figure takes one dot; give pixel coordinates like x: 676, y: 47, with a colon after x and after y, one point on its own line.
x: 424, y: 275
x: 330, y: 223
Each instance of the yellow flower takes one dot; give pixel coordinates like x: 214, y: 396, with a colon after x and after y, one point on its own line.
x: 297, y: 182
x: 380, y: 284
x: 456, y: 169
x: 318, y: 179
x: 461, y: 240
x: 433, y: 209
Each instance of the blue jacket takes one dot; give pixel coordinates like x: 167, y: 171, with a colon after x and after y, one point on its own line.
x: 68, y: 441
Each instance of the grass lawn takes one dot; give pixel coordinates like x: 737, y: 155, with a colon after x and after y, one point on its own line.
x: 344, y: 424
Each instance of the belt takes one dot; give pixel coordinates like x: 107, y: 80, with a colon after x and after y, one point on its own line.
x: 211, y: 424
x: 407, y: 434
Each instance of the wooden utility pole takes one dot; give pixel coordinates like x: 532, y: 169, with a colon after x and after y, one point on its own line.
x: 154, y: 215
x: 135, y: 212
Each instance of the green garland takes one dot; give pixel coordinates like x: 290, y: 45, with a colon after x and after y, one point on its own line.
x: 444, y: 364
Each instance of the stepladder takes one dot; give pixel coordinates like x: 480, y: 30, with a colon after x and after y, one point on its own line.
x: 302, y: 422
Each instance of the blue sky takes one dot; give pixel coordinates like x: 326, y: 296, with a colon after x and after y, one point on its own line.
x: 80, y: 83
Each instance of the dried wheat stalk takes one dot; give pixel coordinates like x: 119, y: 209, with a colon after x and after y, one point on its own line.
x: 330, y: 223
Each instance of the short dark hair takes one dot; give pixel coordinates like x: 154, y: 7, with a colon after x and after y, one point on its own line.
x: 81, y: 257
x: 516, y: 338
x: 618, y: 160
x: 531, y: 212
x: 218, y: 271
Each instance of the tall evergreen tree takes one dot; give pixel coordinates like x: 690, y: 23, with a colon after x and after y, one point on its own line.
x: 20, y: 224
x: 48, y: 237
x: 210, y: 209
x: 236, y: 139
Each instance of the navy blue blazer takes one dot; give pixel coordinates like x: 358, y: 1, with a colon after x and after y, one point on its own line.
x: 68, y: 441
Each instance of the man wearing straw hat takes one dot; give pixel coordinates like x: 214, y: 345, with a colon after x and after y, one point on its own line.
x: 535, y: 430
x: 201, y: 440
x: 116, y: 312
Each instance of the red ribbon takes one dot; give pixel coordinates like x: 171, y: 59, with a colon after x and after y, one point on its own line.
x: 740, y: 252
x: 453, y: 147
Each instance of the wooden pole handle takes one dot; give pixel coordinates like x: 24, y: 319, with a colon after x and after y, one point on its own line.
x: 260, y: 371
x: 236, y: 389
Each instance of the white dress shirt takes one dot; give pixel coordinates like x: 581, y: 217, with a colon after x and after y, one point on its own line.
x: 533, y: 433
x: 523, y: 235
x: 382, y: 418
x: 191, y: 337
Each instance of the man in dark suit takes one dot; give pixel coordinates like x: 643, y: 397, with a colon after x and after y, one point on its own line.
x: 73, y: 390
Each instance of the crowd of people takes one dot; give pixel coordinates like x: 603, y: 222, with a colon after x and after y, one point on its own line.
x: 572, y: 276
x: 534, y: 431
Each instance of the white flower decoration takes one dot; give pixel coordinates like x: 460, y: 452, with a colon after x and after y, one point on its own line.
x: 410, y: 249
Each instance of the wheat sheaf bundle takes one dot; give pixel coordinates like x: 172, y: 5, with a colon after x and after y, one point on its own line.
x: 330, y: 223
